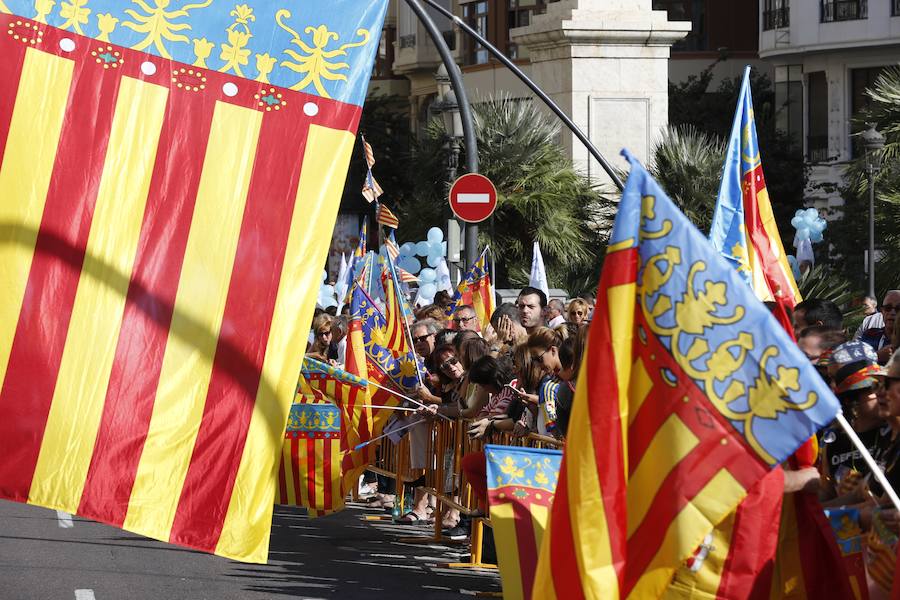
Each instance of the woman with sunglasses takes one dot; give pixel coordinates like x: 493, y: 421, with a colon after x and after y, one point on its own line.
x: 322, y: 348
x: 558, y: 359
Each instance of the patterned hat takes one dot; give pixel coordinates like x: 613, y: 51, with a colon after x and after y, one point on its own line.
x: 857, y: 366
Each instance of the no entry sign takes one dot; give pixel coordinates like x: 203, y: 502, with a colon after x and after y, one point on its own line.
x: 473, y: 198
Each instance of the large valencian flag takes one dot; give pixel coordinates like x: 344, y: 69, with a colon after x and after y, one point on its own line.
x: 170, y: 177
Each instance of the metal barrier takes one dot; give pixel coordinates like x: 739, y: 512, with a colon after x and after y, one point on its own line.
x: 444, y: 479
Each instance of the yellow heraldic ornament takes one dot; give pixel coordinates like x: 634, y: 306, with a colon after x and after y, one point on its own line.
x: 687, y: 320
x: 156, y: 24
x: 315, y: 62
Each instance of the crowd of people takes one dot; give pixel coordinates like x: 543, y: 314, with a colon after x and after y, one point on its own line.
x: 516, y: 375
x: 519, y: 376
x: 863, y: 369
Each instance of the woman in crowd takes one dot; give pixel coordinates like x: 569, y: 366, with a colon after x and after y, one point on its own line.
x: 322, y: 348
x: 559, y: 359
x: 578, y: 311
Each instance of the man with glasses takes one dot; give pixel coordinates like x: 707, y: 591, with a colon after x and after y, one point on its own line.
x: 465, y: 319
x: 880, y: 338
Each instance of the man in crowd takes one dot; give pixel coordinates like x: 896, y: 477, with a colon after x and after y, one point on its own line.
x: 817, y: 340
x: 556, y: 313
x: 465, y: 318
x: 532, y: 304
x: 880, y: 337
x: 815, y: 311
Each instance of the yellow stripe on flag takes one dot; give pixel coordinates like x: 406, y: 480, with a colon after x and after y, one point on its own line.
x: 319, y: 192
x: 503, y: 520
x: 100, y: 299
x: 539, y: 516
x: 638, y: 389
x: 302, y: 458
x: 193, y: 336
x: 25, y: 176
x: 713, y: 503
x: 320, y: 473
x: 288, y: 473
x: 337, y: 490
x: 687, y: 584
x: 621, y: 334
x: 670, y: 444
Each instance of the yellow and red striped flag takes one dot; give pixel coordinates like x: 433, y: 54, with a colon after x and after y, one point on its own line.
x: 476, y: 290
x: 521, y: 483
x: 164, y: 227
x: 371, y: 191
x: 309, y: 473
x: 744, y: 231
x: 708, y: 396
x: 384, y: 216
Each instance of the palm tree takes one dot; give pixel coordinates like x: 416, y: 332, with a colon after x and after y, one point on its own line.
x: 851, y: 229
x: 687, y: 163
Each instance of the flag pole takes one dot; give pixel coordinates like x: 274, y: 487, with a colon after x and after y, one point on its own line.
x: 382, y: 407
x: 384, y: 435
x: 408, y: 331
x: 876, y: 470
x: 394, y: 392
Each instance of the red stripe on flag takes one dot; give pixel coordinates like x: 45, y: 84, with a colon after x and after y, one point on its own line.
x: 244, y: 333
x: 141, y: 346
x: 526, y: 544
x: 566, y: 579
x: 311, y: 474
x: 326, y: 475
x: 12, y: 56
x: 43, y: 324
x: 295, y: 467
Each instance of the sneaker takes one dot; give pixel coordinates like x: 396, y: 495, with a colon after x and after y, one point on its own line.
x: 457, y: 533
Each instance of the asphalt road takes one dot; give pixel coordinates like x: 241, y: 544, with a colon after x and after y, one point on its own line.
x: 47, y: 555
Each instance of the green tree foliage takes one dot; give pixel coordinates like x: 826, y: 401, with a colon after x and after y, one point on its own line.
x: 849, y: 233
x: 385, y: 123
x: 687, y: 163
x: 540, y: 196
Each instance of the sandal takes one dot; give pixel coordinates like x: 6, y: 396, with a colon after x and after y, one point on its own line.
x: 409, y: 518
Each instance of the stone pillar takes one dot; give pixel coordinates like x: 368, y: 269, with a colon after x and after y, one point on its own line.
x: 605, y: 62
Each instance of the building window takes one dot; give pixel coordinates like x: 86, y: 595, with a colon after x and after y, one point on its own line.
x: 844, y: 10
x: 776, y: 14
x: 384, y: 61
x: 895, y: 8
x: 817, y: 110
x: 860, y: 81
x: 687, y: 10
x: 789, y: 101
x: 519, y: 14
x: 475, y: 15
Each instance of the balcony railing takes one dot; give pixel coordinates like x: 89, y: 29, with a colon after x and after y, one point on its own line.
x: 408, y: 41
x: 778, y: 18
x: 844, y: 10
x: 817, y: 148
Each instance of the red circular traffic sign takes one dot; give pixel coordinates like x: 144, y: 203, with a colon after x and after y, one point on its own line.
x: 473, y: 198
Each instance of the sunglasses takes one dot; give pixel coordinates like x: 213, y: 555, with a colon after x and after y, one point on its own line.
x: 449, y: 362
x: 540, y: 357
x: 460, y: 320
x: 323, y: 333
x: 422, y: 338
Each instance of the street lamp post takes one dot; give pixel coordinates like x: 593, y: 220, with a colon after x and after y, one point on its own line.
x: 448, y: 107
x: 873, y: 142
